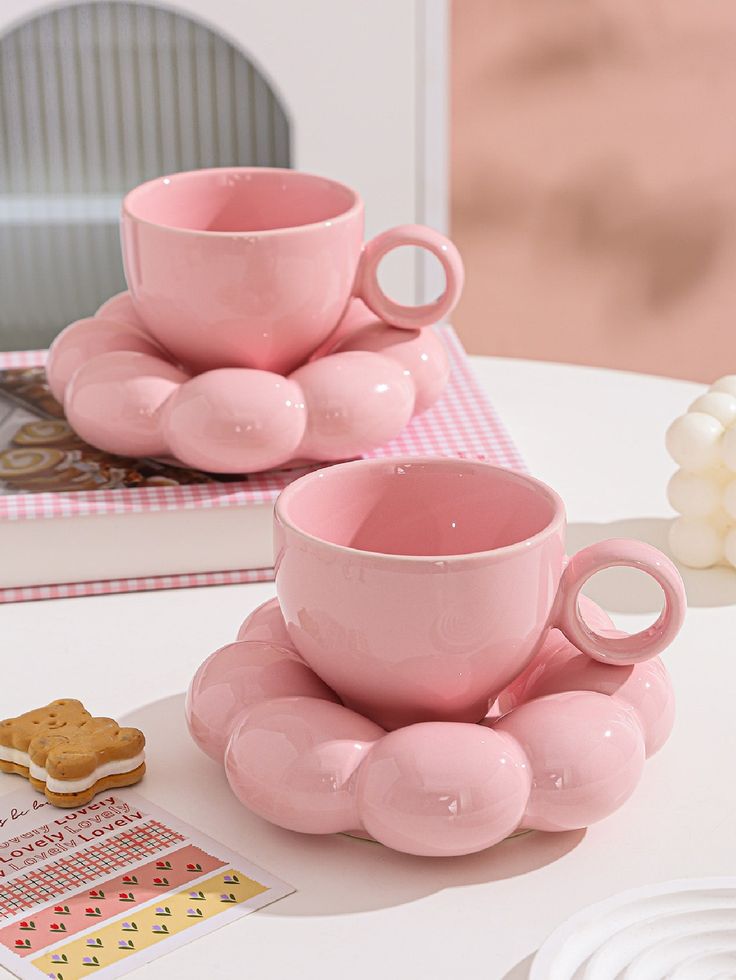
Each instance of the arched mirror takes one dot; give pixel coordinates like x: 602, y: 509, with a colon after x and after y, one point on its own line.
x: 95, y: 98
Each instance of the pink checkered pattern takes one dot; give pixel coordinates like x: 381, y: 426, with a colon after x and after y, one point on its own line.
x: 67, y: 874
x: 74, y: 590
x: 462, y: 423
x: 22, y: 358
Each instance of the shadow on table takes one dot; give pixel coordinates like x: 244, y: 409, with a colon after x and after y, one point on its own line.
x: 333, y: 874
x: 521, y: 970
x: 620, y: 590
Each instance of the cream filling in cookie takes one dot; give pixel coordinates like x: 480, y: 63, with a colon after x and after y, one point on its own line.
x: 15, y: 756
x: 116, y: 768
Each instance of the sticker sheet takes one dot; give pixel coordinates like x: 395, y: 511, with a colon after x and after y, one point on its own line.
x: 111, y: 885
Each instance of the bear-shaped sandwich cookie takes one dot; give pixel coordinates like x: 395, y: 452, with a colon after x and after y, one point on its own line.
x: 68, y: 755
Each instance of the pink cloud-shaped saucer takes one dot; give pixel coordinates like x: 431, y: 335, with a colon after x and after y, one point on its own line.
x: 563, y: 747
x: 124, y: 394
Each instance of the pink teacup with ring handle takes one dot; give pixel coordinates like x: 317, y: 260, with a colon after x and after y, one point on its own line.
x: 419, y: 588
x: 254, y: 266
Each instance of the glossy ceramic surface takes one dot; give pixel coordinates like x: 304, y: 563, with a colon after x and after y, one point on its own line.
x: 419, y: 589
x: 561, y: 667
x: 682, y: 930
x: 122, y: 393
x: 252, y: 267
x: 297, y: 757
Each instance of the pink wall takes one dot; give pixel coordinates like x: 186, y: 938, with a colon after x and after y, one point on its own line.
x: 594, y: 181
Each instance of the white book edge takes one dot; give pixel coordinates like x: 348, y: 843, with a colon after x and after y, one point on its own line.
x: 136, y: 545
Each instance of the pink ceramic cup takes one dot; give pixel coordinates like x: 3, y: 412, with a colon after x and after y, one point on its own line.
x: 418, y: 589
x: 253, y: 267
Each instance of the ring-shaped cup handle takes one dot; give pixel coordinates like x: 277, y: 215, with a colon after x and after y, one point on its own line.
x: 368, y: 288
x: 631, y: 649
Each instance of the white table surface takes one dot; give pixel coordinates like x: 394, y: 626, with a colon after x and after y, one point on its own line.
x: 361, y: 910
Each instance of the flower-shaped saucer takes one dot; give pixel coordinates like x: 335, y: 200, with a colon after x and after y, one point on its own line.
x: 124, y: 394
x: 561, y: 748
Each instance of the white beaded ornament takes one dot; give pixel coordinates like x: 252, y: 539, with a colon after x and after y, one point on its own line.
x: 703, y: 490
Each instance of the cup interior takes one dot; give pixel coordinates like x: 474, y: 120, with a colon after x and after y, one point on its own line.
x: 442, y: 507
x: 241, y: 199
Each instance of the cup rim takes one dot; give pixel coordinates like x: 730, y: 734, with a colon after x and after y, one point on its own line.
x: 354, y: 208
x: 556, y: 522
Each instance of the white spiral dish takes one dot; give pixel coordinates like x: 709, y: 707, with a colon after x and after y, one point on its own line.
x: 679, y: 930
